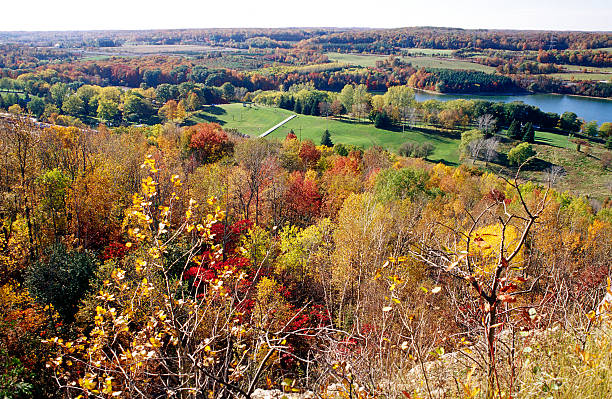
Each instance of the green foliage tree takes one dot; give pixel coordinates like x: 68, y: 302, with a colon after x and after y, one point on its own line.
x: 514, y: 131
x: 61, y: 278
x: 521, y: 153
x: 73, y: 106
x: 569, y: 122
x: 137, y: 109
x: 297, y: 107
x: 228, y: 90
x: 59, y: 92
x: 590, y: 128
x: 346, y: 97
x: 36, y: 107
x: 326, y: 139
x: 398, y: 184
x: 381, y: 120
x: 528, y: 133
x: 108, y: 111
x: 605, y: 130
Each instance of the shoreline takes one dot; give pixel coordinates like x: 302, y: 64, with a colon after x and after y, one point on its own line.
x: 508, y: 94
x: 482, y: 94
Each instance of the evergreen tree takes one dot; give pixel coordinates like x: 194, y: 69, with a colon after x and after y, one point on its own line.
x: 282, y: 104
x: 326, y: 139
x: 297, y: 108
x: 381, y: 120
x: 609, y: 143
x: 514, y: 131
x: 314, y: 109
x: 528, y: 133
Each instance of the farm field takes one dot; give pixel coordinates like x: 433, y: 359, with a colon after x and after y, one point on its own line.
x: 426, y: 51
x: 581, y: 76
x: 256, y: 120
x: 418, y: 62
x: 579, y: 68
x: 155, y: 49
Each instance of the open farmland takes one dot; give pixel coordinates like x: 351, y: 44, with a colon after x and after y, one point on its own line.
x: 257, y: 119
x: 416, y: 61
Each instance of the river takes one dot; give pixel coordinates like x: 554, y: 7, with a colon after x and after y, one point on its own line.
x: 588, y: 108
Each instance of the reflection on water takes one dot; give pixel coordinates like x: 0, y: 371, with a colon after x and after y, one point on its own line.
x: 587, y: 108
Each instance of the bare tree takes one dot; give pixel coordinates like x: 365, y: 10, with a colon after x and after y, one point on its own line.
x: 555, y: 173
x: 240, y: 92
x: 486, y: 123
x: 475, y: 148
x: 495, y: 281
x: 490, y: 149
x: 255, y: 159
x: 18, y: 139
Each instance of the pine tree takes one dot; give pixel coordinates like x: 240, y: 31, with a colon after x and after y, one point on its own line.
x: 297, y: 108
x: 528, y: 133
x: 314, y: 109
x: 326, y: 139
x: 514, y: 131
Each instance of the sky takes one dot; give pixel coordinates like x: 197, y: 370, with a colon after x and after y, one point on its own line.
x: 40, y: 15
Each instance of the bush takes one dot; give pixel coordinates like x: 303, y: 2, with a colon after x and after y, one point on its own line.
x: 61, y: 279
x: 416, y: 150
x: 521, y: 153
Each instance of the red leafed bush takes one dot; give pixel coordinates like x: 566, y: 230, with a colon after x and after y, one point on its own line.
x: 208, y: 142
x: 303, y: 198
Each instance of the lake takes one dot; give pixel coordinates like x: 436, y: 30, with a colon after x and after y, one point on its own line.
x: 585, y: 107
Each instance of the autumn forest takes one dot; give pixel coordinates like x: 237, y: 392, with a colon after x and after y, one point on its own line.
x: 276, y: 213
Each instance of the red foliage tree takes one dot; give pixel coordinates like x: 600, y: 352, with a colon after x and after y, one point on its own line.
x: 309, y: 154
x: 208, y: 142
x: 303, y: 198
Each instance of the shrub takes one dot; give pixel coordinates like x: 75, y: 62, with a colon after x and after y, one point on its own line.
x: 61, y: 279
x: 416, y: 150
x: 521, y: 153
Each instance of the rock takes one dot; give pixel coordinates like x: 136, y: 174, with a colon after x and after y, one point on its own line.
x: 278, y: 394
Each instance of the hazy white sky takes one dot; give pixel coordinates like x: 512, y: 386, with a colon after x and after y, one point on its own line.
x: 150, y: 14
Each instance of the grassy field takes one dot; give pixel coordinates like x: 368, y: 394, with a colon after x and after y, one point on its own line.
x: 580, y: 68
x: 426, y: 51
x: 552, y: 139
x: 418, y: 62
x: 257, y: 119
x: 581, y: 76
x: 583, y: 172
x: 167, y: 49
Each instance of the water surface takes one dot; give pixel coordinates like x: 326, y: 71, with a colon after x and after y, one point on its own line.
x: 590, y: 109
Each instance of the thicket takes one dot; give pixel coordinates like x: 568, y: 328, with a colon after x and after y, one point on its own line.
x: 216, y: 270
